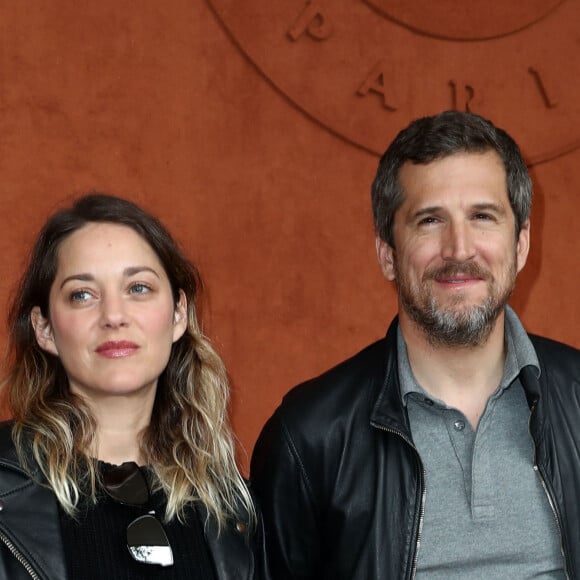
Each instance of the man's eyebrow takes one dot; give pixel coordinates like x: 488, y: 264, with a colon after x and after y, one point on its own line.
x: 489, y: 206
x: 500, y: 209
x: 427, y: 210
x: 127, y: 272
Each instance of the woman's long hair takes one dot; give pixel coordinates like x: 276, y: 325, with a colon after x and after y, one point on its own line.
x: 188, y: 442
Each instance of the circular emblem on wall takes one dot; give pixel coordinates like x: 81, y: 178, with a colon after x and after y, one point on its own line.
x: 468, y: 20
x: 363, y: 69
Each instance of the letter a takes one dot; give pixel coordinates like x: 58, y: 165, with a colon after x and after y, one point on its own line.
x: 375, y: 82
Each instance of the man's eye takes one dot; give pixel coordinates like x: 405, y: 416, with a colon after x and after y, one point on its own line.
x: 428, y: 220
x: 483, y: 216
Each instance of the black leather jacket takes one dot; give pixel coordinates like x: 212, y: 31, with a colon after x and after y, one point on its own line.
x: 30, y: 539
x: 341, y: 484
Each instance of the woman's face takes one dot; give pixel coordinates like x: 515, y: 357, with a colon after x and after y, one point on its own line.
x: 112, y: 318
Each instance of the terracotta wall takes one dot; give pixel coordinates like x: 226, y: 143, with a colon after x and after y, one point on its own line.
x: 253, y: 130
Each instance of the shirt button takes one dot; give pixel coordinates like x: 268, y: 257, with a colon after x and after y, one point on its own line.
x: 459, y: 425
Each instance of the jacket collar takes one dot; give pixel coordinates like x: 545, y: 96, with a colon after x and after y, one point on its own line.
x: 388, y: 411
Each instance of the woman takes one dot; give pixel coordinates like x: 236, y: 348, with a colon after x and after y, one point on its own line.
x: 119, y: 460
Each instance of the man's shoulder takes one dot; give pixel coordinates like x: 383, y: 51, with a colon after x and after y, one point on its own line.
x: 342, y: 388
x: 559, y: 367
x: 556, y: 357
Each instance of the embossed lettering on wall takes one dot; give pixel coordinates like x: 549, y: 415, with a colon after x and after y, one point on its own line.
x: 377, y: 82
x: 313, y: 21
x: 364, y: 68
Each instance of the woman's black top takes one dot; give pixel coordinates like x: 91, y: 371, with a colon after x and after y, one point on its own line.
x: 95, y: 543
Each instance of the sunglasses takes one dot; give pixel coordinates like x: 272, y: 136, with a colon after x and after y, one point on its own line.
x: 146, y: 539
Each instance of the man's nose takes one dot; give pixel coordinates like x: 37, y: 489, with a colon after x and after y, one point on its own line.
x: 458, y: 244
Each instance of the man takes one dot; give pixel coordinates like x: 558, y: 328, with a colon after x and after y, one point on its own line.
x: 450, y: 449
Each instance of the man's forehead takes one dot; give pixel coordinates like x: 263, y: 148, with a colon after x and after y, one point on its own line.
x: 462, y: 179
x: 484, y: 168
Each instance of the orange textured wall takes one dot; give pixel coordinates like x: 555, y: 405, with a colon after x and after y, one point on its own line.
x: 252, y: 129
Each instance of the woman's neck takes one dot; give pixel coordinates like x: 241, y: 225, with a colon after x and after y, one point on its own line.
x: 121, y: 422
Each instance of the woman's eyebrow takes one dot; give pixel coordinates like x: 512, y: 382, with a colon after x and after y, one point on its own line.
x: 80, y: 277
x: 127, y: 272
x: 132, y: 270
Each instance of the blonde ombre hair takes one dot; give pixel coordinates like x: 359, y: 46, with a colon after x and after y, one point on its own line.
x: 189, y: 441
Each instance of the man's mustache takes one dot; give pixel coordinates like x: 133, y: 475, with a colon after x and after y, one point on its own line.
x: 451, y: 270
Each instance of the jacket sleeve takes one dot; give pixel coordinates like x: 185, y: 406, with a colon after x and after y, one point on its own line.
x: 291, y: 517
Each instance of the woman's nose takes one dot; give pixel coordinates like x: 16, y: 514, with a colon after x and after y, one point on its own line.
x: 113, y: 311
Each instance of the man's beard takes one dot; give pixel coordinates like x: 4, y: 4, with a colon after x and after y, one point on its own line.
x: 455, y: 325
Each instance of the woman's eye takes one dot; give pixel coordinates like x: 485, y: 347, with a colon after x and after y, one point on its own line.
x: 80, y: 296
x: 139, y: 288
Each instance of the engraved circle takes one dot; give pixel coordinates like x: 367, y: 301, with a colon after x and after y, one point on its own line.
x: 494, y: 18
x: 363, y: 77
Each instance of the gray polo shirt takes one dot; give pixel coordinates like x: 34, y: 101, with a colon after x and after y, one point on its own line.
x: 486, y: 512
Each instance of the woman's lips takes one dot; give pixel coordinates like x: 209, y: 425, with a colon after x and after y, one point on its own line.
x: 117, y: 348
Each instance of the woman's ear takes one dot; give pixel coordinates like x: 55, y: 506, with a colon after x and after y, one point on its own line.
x: 43, y: 331
x: 180, y: 317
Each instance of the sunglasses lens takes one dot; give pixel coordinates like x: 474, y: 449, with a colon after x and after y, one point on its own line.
x: 126, y: 484
x: 148, y: 543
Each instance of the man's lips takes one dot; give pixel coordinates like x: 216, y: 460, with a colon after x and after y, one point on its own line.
x: 117, y: 348
x: 458, y: 279
x: 459, y: 275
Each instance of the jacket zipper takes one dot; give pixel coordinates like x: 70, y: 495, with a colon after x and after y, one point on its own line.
x: 14, y: 551
x: 423, y: 495
x: 549, y: 495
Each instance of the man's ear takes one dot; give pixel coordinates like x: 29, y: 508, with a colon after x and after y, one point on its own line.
x: 386, y: 258
x: 180, y: 317
x: 523, y: 245
x: 43, y: 331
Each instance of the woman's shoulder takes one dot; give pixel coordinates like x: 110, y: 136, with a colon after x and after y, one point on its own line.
x: 11, y: 459
x: 7, y: 449
x: 12, y: 476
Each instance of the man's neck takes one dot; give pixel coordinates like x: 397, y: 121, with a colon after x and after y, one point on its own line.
x: 462, y: 377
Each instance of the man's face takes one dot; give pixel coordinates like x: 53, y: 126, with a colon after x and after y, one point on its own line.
x: 456, y: 255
